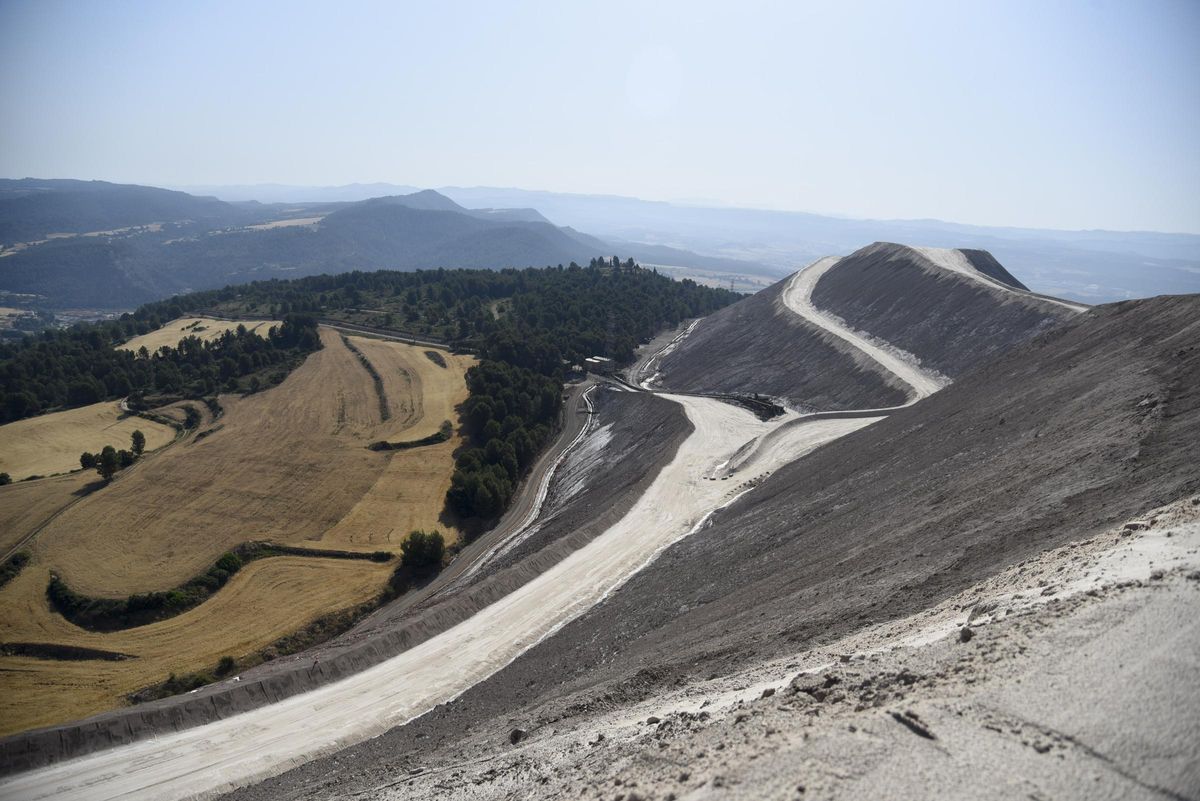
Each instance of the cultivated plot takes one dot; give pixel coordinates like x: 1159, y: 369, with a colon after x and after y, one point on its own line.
x: 290, y: 465
x: 204, y: 328
x: 52, y: 443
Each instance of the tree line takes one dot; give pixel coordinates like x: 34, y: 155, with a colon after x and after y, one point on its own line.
x: 81, y: 365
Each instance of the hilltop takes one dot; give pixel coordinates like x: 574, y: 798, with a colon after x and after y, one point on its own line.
x: 938, y: 319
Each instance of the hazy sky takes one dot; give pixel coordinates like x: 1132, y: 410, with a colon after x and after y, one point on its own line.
x: 1049, y: 114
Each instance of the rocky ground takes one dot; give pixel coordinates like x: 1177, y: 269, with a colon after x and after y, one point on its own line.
x: 1073, y: 675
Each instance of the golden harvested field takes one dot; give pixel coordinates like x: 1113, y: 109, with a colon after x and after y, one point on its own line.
x: 205, y: 328
x: 408, y: 494
x: 51, y: 443
x: 298, y: 221
x: 25, y: 506
x: 289, y: 464
x: 266, y: 600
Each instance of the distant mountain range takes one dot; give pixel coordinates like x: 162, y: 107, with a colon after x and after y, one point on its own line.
x: 100, y: 245
x: 1092, y: 266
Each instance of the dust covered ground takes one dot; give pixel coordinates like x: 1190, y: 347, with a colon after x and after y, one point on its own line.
x: 1070, y: 675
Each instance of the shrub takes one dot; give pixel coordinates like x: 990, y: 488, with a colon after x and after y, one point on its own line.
x: 230, y: 563
x: 422, y: 551
x: 5, y: 478
x: 12, y: 566
x: 226, y: 665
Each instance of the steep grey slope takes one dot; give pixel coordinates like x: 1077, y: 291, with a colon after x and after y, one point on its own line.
x: 987, y: 264
x: 759, y: 345
x: 1082, y: 427
x: 949, y: 321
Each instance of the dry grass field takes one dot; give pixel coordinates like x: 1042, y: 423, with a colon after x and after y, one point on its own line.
x: 51, y: 443
x: 293, y: 223
x: 205, y: 328
x: 408, y: 494
x: 289, y: 464
x: 266, y: 600
x: 29, y: 504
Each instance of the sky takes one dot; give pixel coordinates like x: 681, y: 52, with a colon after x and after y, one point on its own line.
x: 1044, y: 114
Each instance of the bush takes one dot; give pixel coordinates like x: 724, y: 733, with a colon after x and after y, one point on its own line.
x: 5, y: 478
x: 230, y: 563
x: 12, y: 566
x: 423, y: 551
x: 87, y: 461
x: 226, y: 665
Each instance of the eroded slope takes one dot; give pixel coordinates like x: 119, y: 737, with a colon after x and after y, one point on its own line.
x: 943, y: 317
x: 759, y: 345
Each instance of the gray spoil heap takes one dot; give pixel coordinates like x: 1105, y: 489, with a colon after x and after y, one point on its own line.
x: 1063, y: 436
x: 945, y: 320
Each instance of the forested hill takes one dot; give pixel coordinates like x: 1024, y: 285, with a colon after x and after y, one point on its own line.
x: 32, y: 209
x: 531, y: 318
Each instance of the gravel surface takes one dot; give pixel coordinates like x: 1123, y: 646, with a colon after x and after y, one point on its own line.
x: 760, y: 345
x: 934, y: 304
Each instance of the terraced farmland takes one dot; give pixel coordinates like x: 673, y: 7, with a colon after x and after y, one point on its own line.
x: 289, y: 465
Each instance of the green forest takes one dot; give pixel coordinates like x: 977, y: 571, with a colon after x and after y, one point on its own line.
x: 80, y: 365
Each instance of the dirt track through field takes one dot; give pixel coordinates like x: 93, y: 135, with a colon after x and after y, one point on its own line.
x: 207, y: 759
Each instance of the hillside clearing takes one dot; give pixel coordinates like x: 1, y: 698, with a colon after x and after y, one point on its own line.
x: 204, y: 328
x: 286, y: 465
x: 51, y: 443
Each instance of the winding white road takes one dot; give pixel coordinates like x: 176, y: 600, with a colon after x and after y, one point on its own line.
x: 206, y: 760
x: 954, y: 261
x: 797, y: 296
